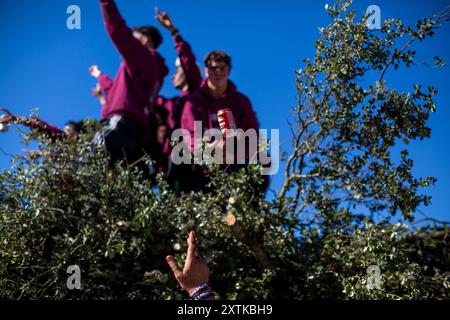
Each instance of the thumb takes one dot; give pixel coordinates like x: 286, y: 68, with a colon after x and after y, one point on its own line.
x: 174, y: 266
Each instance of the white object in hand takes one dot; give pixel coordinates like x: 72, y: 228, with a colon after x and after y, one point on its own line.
x: 94, y: 71
x: 3, y: 127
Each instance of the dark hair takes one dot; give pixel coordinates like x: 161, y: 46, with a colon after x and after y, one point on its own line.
x: 78, y: 126
x: 152, y: 33
x: 217, y: 56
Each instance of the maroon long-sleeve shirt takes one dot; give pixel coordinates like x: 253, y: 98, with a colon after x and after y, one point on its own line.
x: 202, y: 106
x: 170, y: 109
x: 39, y: 124
x: 140, y: 75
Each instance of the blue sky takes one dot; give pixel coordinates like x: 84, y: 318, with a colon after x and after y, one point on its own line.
x: 44, y: 65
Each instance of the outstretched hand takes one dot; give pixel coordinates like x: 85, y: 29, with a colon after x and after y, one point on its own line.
x: 164, y: 20
x: 195, y: 271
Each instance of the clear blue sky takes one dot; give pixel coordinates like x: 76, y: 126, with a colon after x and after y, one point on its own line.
x: 43, y: 64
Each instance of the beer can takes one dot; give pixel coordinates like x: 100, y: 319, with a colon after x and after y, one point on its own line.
x: 226, y: 120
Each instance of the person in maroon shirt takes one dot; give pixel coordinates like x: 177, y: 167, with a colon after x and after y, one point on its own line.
x: 187, y: 79
x: 70, y: 131
x: 165, y: 116
x: 216, y: 92
x: 131, y: 95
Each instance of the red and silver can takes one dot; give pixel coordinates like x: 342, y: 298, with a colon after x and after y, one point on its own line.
x: 226, y: 120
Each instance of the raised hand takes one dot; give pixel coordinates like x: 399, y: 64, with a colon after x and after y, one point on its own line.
x: 94, y: 71
x: 195, y: 271
x: 164, y: 20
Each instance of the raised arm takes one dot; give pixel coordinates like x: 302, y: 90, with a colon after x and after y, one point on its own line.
x: 35, y: 123
x: 187, y: 57
x: 103, y: 79
x: 105, y: 83
x: 42, y: 126
x: 133, y: 52
x: 188, y: 63
x: 194, y: 276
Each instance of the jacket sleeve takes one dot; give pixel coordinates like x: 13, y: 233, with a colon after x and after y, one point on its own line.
x: 160, y: 110
x: 106, y: 83
x: 42, y: 126
x: 133, y: 52
x: 188, y: 63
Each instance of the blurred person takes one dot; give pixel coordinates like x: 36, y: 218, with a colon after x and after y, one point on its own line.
x: 70, y: 131
x: 131, y: 95
x: 217, y: 92
x: 187, y: 79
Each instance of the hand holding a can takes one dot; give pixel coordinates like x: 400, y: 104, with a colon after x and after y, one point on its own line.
x: 226, y: 122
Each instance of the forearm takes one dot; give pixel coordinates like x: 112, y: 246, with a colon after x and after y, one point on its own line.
x: 101, y: 100
x: 188, y: 63
x: 43, y: 126
x: 105, y: 83
x: 120, y: 34
x: 111, y: 17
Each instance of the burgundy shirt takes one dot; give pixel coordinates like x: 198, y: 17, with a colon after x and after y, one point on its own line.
x: 140, y: 76
x: 202, y: 106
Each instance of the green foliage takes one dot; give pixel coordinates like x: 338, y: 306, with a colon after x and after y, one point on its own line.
x: 62, y: 206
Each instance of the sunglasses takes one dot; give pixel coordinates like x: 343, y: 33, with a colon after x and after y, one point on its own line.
x: 218, y: 68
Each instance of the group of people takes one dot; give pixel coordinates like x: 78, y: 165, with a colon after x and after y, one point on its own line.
x: 136, y: 119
